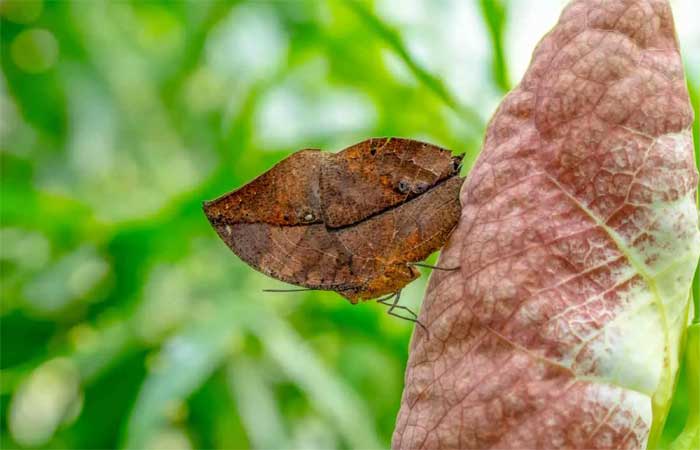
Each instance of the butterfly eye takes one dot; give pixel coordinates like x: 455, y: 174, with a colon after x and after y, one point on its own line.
x: 403, y: 187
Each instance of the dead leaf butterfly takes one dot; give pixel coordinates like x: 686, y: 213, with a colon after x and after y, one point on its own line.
x: 356, y: 222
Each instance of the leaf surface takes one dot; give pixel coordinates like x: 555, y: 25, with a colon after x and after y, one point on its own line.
x: 577, y: 244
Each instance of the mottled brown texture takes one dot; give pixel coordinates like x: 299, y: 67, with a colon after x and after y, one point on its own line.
x: 378, y: 174
x: 577, y: 244
x: 348, y: 222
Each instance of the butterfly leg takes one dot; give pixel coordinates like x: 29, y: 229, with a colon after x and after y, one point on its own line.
x: 395, y: 305
x: 428, y: 266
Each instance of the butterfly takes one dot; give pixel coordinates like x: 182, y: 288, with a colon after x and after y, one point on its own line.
x: 356, y: 222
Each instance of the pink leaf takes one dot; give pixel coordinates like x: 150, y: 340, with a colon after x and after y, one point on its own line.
x: 577, y: 244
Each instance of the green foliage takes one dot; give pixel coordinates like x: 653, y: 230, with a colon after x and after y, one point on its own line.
x: 684, y: 418
x: 690, y: 437
x: 495, y: 18
x: 125, y: 321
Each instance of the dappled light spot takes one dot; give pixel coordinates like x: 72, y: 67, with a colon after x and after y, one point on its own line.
x: 453, y: 44
x: 34, y: 50
x: 167, y: 302
x: 92, y: 144
x: 50, y: 396
x: 169, y: 439
x: 304, y: 107
x: 249, y: 44
x: 27, y: 249
x: 66, y: 281
x: 205, y: 90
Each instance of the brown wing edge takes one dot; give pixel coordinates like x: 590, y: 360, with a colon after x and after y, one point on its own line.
x: 286, y: 194
x: 252, y: 243
x: 387, y: 171
x: 228, y: 232
x: 253, y: 256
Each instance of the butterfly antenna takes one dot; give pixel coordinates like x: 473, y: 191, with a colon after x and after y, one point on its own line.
x: 428, y: 266
x: 289, y: 290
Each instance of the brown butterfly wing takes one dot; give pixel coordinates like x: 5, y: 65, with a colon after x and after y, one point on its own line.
x: 408, y: 233
x: 363, y: 261
x: 306, y: 255
x: 378, y: 174
x: 288, y: 194
x: 274, y: 223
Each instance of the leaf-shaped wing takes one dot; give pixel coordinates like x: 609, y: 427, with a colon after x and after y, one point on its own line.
x: 348, y: 221
x: 286, y: 195
x: 577, y: 243
x: 378, y: 174
x: 362, y: 261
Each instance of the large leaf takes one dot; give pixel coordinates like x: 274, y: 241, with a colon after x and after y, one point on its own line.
x: 577, y: 245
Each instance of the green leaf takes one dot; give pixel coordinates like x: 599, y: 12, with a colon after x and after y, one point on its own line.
x: 494, y: 14
x: 332, y: 397
x: 432, y: 82
x: 185, y: 361
x: 256, y: 404
x: 690, y: 437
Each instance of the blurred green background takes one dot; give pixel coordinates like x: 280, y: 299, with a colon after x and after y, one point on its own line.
x: 125, y: 321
